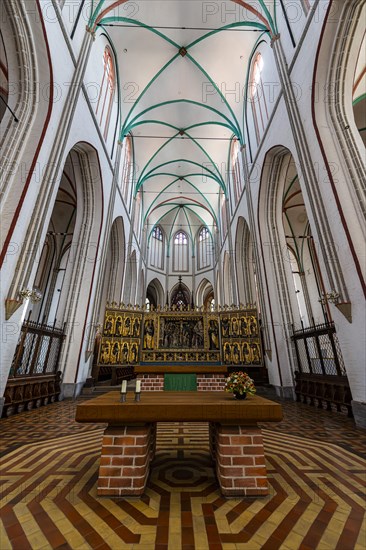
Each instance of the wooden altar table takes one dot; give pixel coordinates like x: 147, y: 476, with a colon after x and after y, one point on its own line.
x: 129, y: 441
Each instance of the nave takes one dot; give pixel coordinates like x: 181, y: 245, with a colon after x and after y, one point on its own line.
x: 315, y: 461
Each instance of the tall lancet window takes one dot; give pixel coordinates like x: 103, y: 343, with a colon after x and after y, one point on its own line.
x: 204, y: 251
x: 180, y: 253
x: 157, y: 248
x: 106, y: 93
x: 258, y: 100
x: 237, y: 176
x: 138, y: 214
x: 127, y: 172
x: 305, y: 6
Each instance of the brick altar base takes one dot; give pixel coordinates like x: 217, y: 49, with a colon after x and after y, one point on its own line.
x: 125, y: 461
x: 205, y: 382
x: 151, y: 382
x: 239, y: 455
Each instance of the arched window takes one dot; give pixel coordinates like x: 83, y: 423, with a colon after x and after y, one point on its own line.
x: 127, y: 172
x: 305, y: 6
x: 359, y: 92
x: 223, y: 215
x: 204, y: 248
x: 180, y: 255
x: 106, y: 93
x: 237, y: 177
x: 137, y: 214
x: 157, y: 248
x: 257, y: 97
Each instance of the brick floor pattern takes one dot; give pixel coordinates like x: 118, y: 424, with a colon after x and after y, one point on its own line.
x: 49, y: 491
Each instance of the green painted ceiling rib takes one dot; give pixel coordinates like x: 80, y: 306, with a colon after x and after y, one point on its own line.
x: 126, y: 128
x: 162, y: 123
x: 238, y: 131
x: 169, y: 202
x: 118, y: 19
x: 157, y: 197
x: 172, y: 183
x: 141, y: 177
x: 153, y: 121
x: 288, y: 188
x: 202, y: 221
x: 171, y: 229
x: 258, y: 26
x: 189, y: 225
x: 158, y: 222
x: 147, y: 87
x: 207, y: 155
x: 189, y: 183
x: 307, y: 232
x: 358, y: 99
x: 195, y: 213
x: 297, y: 255
x: 198, y: 174
x: 167, y: 143
x: 272, y: 25
x: 94, y: 14
x: 208, y: 123
x: 180, y: 160
x: 275, y: 14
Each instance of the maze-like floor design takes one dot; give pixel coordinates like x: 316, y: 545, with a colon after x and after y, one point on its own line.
x: 48, y: 490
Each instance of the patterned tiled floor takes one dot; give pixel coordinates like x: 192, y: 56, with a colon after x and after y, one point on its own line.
x: 49, y: 469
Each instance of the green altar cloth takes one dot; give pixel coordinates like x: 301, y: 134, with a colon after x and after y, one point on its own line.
x: 180, y: 382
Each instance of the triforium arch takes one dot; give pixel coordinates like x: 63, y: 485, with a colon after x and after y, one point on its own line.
x: 227, y: 280
x: 79, y: 316
x: 130, y: 281
x: 334, y: 115
x: 67, y: 267
x: 27, y: 65
x: 155, y: 293
x: 244, y: 263
x: 180, y: 295
x: 54, y: 269
x: 204, y: 293
x: 115, y: 263
x: 289, y: 259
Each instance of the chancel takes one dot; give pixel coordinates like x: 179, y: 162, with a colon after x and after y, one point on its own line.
x: 182, y: 274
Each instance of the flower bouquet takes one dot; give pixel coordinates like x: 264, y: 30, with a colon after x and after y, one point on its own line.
x: 239, y: 383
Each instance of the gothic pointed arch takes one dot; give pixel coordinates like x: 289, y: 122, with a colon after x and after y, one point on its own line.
x: 180, y: 295
x: 335, y: 116
x: 155, y: 293
x: 204, y: 293
x: 244, y: 262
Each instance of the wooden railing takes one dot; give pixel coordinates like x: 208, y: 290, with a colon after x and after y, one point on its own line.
x: 321, y: 378
x: 34, y: 379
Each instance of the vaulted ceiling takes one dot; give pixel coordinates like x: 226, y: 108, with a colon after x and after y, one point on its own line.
x: 182, y: 68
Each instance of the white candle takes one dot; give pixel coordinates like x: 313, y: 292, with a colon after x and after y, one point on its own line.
x: 138, y: 386
x: 124, y: 386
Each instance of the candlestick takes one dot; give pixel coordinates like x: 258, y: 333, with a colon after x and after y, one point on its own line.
x: 123, y: 397
x: 138, y: 386
x: 124, y: 386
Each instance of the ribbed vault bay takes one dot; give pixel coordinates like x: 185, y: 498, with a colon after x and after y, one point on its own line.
x: 182, y: 70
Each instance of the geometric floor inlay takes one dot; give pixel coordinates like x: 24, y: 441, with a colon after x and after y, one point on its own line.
x: 316, y: 501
